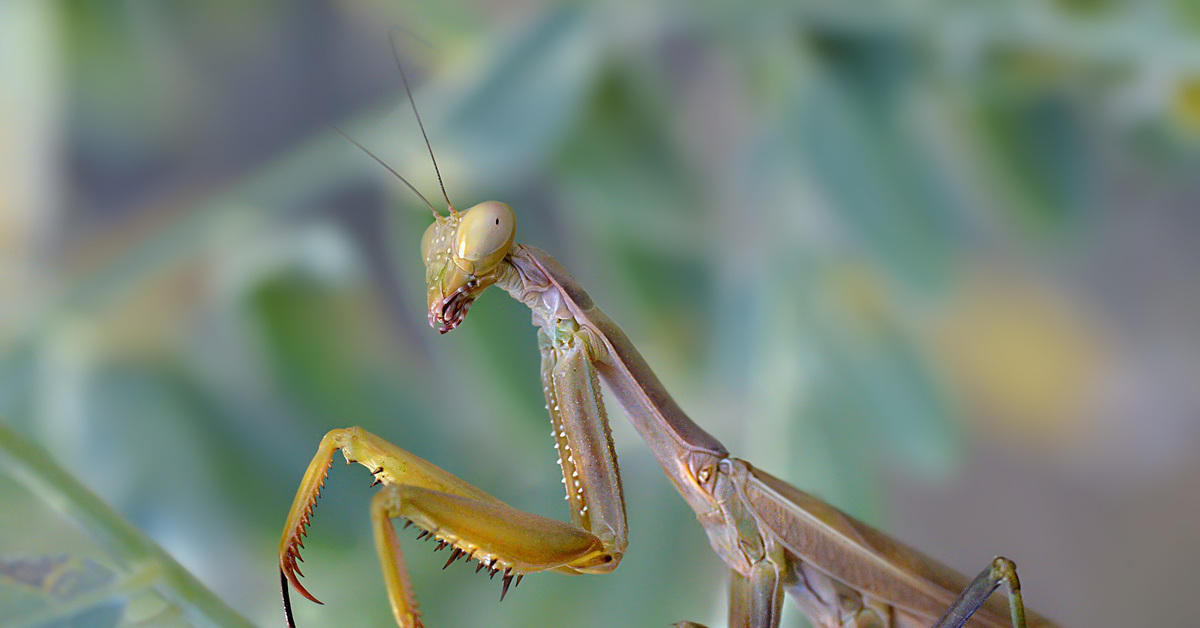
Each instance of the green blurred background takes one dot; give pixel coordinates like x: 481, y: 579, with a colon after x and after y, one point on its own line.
x: 935, y: 262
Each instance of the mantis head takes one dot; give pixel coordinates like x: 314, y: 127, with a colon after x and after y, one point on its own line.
x: 464, y: 254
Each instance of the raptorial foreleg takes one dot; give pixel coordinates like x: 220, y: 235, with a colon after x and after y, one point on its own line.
x: 458, y: 515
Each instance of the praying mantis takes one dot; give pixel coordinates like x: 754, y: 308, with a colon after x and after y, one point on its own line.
x: 774, y: 538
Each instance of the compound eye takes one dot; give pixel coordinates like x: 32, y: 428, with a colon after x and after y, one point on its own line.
x: 707, y: 477
x: 485, y: 233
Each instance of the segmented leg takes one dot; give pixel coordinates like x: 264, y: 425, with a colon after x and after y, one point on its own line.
x: 755, y: 601
x: 1001, y: 571
x: 458, y: 515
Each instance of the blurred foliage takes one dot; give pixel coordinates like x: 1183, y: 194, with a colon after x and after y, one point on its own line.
x: 858, y: 241
x: 80, y: 564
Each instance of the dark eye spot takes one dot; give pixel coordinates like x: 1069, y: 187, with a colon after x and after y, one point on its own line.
x: 607, y: 558
x: 497, y: 221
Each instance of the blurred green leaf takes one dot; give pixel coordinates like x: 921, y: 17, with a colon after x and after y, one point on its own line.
x: 118, y: 575
x: 1039, y: 143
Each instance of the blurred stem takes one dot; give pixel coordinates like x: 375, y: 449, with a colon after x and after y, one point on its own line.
x: 32, y: 467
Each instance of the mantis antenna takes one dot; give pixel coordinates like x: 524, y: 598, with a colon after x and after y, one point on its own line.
x: 389, y: 168
x: 413, y: 102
